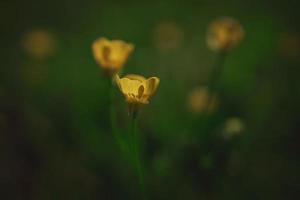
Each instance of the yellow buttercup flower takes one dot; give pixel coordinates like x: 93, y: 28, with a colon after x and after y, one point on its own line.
x: 137, y: 89
x: 168, y: 36
x: 39, y: 43
x: 233, y: 126
x: 224, y: 34
x: 111, y: 54
x: 202, y: 100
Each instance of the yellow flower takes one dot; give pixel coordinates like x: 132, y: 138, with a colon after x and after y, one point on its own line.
x: 233, y: 126
x: 201, y: 100
x: 111, y: 54
x: 39, y: 43
x: 224, y: 33
x: 137, y: 89
x: 168, y: 36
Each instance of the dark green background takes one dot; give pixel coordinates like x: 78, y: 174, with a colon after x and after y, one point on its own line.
x: 55, y: 139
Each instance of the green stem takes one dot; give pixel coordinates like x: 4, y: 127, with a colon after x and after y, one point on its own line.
x: 112, y: 115
x: 215, y: 76
x: 134, y: 145
x: 213, y: 86
x: 217, y: 71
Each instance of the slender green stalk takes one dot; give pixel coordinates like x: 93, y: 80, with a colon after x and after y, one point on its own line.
x: 213, y: 86
x: 207, y: 122
x: 135, y: 149
x: 112, y: 115
x: 217, y: 71
x: 215, y: 77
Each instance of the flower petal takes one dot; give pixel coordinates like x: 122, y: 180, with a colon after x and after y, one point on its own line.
x: 135, y: 77
x: 97, y: 47
x: 151, y: 85
x: 129, y: 86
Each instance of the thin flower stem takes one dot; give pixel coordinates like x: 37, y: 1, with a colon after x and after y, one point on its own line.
x: 134, y: 145
x: 217, y: 71
x: 112, y: 115
x: 213, y: 86
x: 213, y: 83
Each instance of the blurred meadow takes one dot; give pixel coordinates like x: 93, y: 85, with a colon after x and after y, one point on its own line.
x: 56, y: 138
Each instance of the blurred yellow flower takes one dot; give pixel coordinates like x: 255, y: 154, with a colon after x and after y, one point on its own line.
x: 111, y: 54
x: 233, y: 126
x: 224, y: 34
x: 137, y: 89
x: 200, y: 101
x: 168, y: 36
x: 39, y: 43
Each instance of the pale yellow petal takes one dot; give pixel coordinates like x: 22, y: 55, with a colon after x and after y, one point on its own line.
x: 119, y: 52
x: 135, y: 77
x: 122, y: 46
x: 129, y: 86
x: 98, y: 47
x: 151, y: 85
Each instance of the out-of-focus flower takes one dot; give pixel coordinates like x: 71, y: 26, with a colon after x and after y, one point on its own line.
x: 200, y: 100
x: 39, y: 44
x: 233, y: 126
x: 224, y: 34
x: 289, y: 44
x: 137, y: 89
x: 111, y: 54
x: 167, y: 36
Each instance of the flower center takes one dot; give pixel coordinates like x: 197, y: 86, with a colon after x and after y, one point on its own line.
x: 141, y: 91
